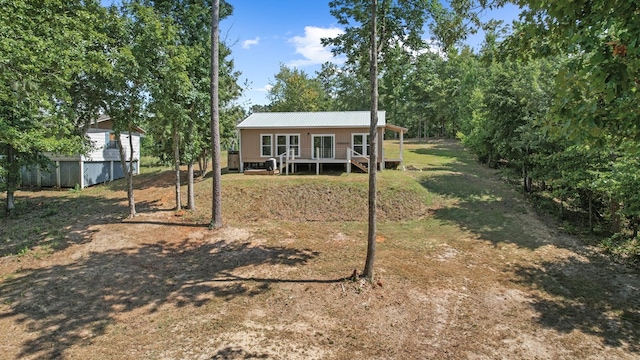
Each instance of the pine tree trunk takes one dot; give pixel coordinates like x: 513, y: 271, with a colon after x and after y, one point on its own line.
x: 526, y: 179
x: 205, y: 164
x: 176, y: 166
x: 426, y: 130
x: 11, y: 204
x: 13, y: 177
x: 615, y: 217
x: 191, y: 197
x: 216, y: 201
x: 127, y: 171
x: 373, y: 141
x: 590, y: 197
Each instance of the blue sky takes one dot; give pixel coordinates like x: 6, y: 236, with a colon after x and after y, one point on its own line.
x: 266, y: 33
x: 263, y: 34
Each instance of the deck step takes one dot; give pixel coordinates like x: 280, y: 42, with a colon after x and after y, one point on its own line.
x: 360, y: 166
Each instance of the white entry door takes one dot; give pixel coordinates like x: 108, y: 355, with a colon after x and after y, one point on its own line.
x: 326, y: 146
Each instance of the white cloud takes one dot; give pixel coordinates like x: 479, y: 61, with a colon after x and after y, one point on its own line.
x: 310, y: 46
x: 249, y: 43
x: 434, y: 48
x: 265, y: 88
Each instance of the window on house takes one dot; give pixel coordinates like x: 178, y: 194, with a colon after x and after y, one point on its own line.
x: 360, y: 144
x: 266, y: 145
x: 110, y: 141
x: 287, y: 141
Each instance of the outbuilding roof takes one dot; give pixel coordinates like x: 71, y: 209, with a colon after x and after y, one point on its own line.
x: 326, y: 119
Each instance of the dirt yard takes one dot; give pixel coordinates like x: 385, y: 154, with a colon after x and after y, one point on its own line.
x: 465, y: 270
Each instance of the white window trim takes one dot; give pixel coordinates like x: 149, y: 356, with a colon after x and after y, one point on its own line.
x: 365, y: 143
x: 288, y: 142
x: 262, y: 145
x: 333, y: 142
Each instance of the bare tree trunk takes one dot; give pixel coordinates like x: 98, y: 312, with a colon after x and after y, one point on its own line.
x: 616, y: 222
x: 132, y: 202
x: 127, y: 171
x: 590, y: 198
x: 205, y: 164
x: 176, y: 165
x: 191, y: 197
x: 526, y: 179
x: 426, y: 129
x: 216, y: 203
x: 13, y: 177
x: 373, y: 143
x: 10, y: 201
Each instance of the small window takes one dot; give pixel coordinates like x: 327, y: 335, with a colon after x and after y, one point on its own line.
x: 266, y: 145
x: 361, y: 144
x: 111, y: 142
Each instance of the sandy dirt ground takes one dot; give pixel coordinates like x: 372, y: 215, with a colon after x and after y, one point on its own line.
x: 158, y: 287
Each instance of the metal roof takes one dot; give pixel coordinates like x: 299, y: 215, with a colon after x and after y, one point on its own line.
x: 327, y: 119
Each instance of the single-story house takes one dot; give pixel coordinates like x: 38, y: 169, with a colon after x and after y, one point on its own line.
x: 293, y: 138
x: 100, y: 165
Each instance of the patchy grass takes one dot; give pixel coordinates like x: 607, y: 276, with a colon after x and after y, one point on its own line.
x: 464, y: 269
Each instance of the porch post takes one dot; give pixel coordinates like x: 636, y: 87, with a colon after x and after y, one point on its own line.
x: 239, y: 151
x: 81, y: 174
x: 401, y: 143
x: 57, y: 173
x: 382, y: 164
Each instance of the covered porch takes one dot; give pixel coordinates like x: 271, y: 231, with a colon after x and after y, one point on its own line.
x: 355, y: 155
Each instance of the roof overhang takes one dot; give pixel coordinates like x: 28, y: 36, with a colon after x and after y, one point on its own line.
x: 307, y: 120
x: 396, y: 128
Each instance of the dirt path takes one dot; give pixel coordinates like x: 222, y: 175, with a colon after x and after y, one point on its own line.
x: 480, y: 277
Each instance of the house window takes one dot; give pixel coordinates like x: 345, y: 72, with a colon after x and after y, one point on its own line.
x: 325, y: 145
x: 266, y: 148
x: 110, y: 141
x: 360, y: 143
x: 287, y: 141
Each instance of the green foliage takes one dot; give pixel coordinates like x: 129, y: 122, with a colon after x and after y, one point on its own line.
x: 597, y: 90
x: 181, y: 82
x: 397, y: 19
x: 294, y: 90
x: 345, y: 87
x: 43, y: 47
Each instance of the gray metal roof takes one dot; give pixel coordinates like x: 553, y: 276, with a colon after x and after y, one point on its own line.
x: 328, y: 119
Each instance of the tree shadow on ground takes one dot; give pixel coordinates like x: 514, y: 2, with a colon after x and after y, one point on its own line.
x: 229, y: 353
x: 67, y: 305
x: 479, y: 204
x: 590, y: 295
x: 58, y: 222
x: 161, y: 179
x: 587, y: 292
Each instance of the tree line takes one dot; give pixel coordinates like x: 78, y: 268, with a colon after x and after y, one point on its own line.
x: 145, y: 63
x: 552, y: 97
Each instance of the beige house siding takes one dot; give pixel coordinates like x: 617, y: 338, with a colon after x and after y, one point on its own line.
x: 250, y: 148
